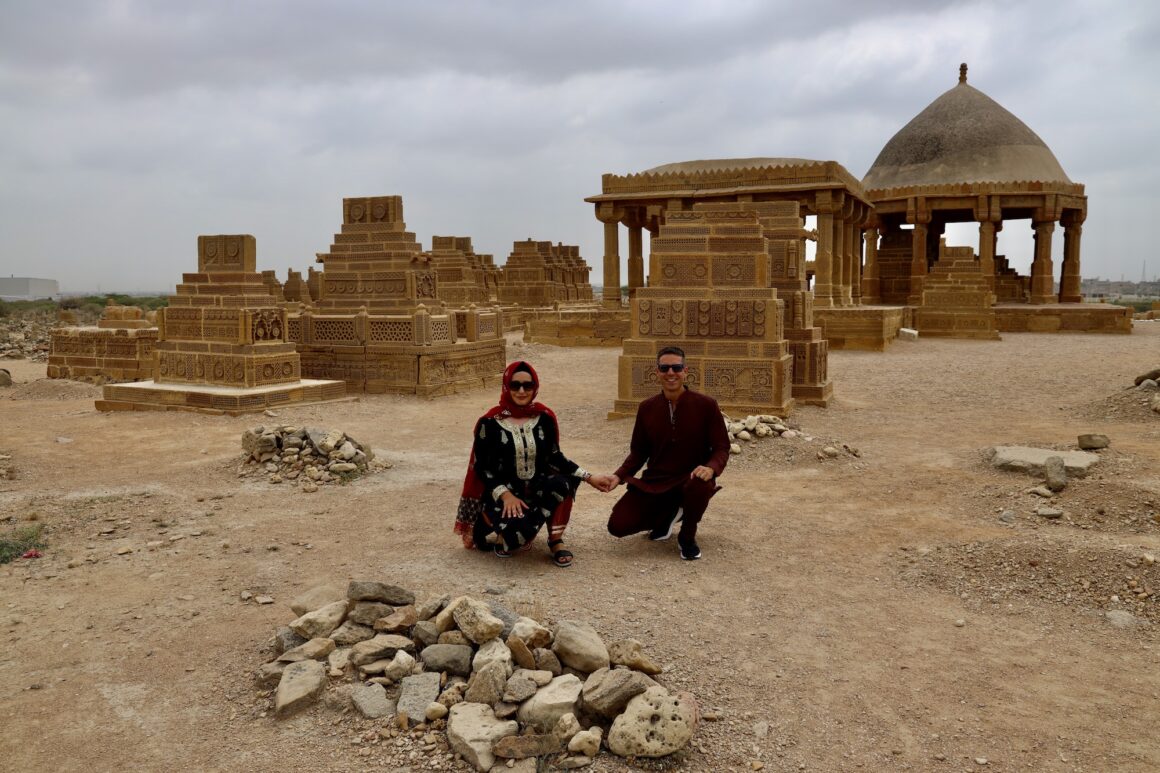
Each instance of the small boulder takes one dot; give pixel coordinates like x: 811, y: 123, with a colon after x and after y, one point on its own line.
x: 1093, y: 442
x: 351, y: 632
x: 369, y: 612
x: 487, y: 685
x: 315, y: 649
x: 452, y: 658
x: 300, y: 685
x: 654, y: 724
x: 321, y: 622
x: 531, y: 633
x: 415, y: 694
x: 578, y: 645
x: 586, y: 742
x: 607, y: 691
x: 380, y: 647
x: 472, y: 731
x: 398, y: 621
x: 544, y: 709
x: 524, y: 746
x: 315, y: 598
x: 493, y: 651
x: 379, y: 591
x: 522, y: 656
x: 546, y: 660
x: 371, y: 701
x: 424, y: 633
x: 1054, y: 473
x: 628, y: 652
x: 476, y: 621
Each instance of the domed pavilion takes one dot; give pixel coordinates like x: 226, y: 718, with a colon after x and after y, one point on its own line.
x: 965, y: 158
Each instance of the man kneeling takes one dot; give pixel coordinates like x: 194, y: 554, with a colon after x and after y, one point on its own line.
x: 681, y: 435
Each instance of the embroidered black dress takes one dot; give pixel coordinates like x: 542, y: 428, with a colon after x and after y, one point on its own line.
x: 525, y: 460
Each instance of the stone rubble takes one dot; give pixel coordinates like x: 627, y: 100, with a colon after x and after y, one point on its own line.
x: 26, y: 339
x: 747, y: 431
x: 305, y: 456
x: 494, y: 689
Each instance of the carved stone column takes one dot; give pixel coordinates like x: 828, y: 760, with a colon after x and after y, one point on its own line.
x: 611, y: 217
x: 824, y: 256
x: 840, y: 265
x: 635, y: 259
x: 871, y: 280
x: 1069, y: 280
x: 987, y: 252
x: 917, y: 264
x: 851, y: 284
x: 1042, y: 269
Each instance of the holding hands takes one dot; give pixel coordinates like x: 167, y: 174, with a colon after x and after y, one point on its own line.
x: 603, y: 483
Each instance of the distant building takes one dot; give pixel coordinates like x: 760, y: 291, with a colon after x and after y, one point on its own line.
x: 23, y: 288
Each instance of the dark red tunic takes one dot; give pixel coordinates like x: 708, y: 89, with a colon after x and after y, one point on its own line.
x: 673, y: 445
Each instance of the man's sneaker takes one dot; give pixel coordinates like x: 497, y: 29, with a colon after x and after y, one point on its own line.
x: 689, y: 550
x: 665, y: 529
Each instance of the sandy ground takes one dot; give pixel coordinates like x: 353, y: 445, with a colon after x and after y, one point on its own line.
x: 867, y: 612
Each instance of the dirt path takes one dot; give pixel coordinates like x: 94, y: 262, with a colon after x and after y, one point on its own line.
x: 864, y: 613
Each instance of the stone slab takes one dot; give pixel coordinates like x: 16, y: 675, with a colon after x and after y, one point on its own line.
x: 1032, y: 460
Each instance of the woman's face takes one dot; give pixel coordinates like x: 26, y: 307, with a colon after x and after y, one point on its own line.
x: 521, y: 387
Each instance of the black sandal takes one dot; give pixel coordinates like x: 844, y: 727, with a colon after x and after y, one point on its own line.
x: 561, y: 558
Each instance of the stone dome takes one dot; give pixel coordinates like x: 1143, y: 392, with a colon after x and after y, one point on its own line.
x: 964, y: 136
x: 721, y: 164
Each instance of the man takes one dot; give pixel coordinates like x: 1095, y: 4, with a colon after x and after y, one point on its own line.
x: 681, y: 435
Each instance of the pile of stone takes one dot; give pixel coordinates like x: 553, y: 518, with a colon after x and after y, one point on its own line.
x: 753, y: 427
x: 305, y: 455
x: 495, y: 685
x: 25, y: 339
x: 1150, y: 382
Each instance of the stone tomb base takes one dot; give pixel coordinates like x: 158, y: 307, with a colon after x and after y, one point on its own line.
x: 207, y: 398
x: 100, y: 354
x: 738, y: 368
x: 426, y: 371
x: 584, y: 326
x: 1063, y: 318
x: 864, y: 328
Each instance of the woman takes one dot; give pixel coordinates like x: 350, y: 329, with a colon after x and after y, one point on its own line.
x: 518, y: 479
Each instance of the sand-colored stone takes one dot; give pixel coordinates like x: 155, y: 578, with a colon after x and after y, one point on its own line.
x: 379, y: 324
x: 222, y: 343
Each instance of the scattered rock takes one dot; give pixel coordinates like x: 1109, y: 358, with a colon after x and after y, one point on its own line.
x: 654, y: 724
x: 578, y: 646
x: 1093, y: 442
x: 371, y: 701
x: 415, y: 694
x: 1050, y: 513
x: 299, y: 686
x: 1054, y: 473
x: 627, y: 652
x: 472, y: 731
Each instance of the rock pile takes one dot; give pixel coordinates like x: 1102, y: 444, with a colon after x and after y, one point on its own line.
x: 25, y: 339
x: 305, y: 455
x: 753, y: 428
x: 476, y: 679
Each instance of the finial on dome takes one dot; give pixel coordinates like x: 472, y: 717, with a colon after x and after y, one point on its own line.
x: 963, y: 72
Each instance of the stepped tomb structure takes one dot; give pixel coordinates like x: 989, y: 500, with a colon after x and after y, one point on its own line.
x: 965, y: 158
x: 295, y: 290
x: 957, y: 301
x: 379, y: 324
x: 711, y: 295
x: 460, y: 280
x: 222, y: 345
x: 119, y: 348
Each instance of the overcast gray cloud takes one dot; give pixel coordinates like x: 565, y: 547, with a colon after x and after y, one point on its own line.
x: 128, y: 128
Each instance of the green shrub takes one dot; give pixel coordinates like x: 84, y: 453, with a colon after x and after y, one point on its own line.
x: 15, y: 542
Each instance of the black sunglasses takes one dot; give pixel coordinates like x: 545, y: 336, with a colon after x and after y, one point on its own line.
x: 675, y: 368
x: 525, y: 386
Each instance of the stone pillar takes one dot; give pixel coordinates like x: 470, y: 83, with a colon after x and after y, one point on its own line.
x: 1069, y: 280
x: 635, y: 259
x: 871, y: 279
x: 987, y: 252
x: 1042, y: 270
x: 917, y: 264
x: 824, y: 256
x: 850, y: 285
x: 611, y: 265
x: 856, y: 260
x: 840, y: 265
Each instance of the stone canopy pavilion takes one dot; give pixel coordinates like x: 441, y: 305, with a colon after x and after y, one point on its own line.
x: 965, y: 158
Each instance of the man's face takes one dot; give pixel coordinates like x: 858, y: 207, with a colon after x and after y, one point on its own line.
x: 671, y: 378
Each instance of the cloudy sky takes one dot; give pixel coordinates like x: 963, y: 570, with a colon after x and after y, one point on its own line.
x: 128, y: 127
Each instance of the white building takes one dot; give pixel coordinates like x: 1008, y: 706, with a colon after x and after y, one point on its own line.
x: 23, y: 288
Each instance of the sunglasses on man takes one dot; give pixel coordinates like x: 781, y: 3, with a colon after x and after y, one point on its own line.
x: 675, y: 368
x: 521, y: 386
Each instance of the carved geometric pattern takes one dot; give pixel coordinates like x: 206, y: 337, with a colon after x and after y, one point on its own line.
x: 398, y: 331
